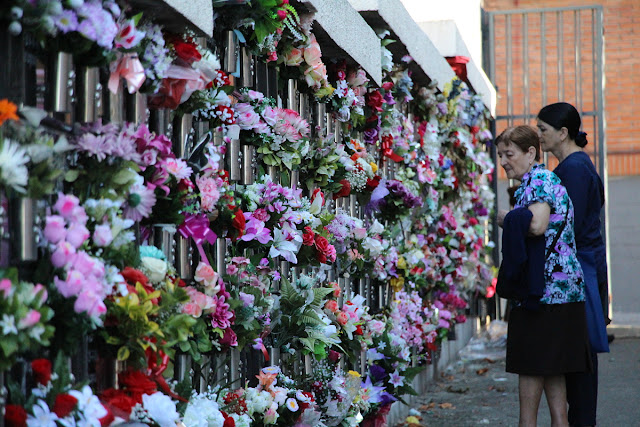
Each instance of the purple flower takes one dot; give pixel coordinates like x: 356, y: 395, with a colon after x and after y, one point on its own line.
x: 139, y: 203
x: 371, y: 135
x: 371, y: 393
x: 66, y: 21
x: 377, y: 372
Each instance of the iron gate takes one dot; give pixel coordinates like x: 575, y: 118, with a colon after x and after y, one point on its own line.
x: 535, y: 57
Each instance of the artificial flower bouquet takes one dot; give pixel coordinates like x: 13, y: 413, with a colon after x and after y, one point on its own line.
x: 303, y: 60
x: 280, y: 135
x: 55, y: 400
x: 351, y: 86
x: 391, y: 200
x: 24, y: 320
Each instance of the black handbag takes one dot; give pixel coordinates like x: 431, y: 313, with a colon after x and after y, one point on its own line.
x: 503, y: 288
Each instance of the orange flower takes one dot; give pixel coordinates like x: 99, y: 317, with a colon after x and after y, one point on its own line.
x: 266, y: 380
x: 7, y: 111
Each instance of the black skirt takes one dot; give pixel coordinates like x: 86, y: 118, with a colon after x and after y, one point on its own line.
x: 550, y: 341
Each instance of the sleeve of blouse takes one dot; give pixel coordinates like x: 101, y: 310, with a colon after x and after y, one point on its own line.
x: 544, y: 188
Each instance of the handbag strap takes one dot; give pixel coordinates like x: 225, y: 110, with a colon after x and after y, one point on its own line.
x: 557, y: 237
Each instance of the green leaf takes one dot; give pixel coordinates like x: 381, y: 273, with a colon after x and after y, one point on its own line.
x: 71, y: 175
x: 123, y: 353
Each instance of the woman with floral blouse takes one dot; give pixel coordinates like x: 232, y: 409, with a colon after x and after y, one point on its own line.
x: 547, y: 335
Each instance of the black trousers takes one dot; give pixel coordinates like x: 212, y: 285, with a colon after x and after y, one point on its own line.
x: 582, y: 396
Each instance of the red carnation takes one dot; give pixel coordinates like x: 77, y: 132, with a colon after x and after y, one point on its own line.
x: 117, y: 402
x: 15, y: 416
x: 373, y: 183
x: 41, y: 371
x: 345, y: 190
x: 137, y: 384
x: 187, y: 52
x: 64, y: 404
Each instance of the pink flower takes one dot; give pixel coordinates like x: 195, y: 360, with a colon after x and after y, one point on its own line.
x: 128, y: 36
x: 5, y: 287
x: 32, y: 317
x: 192, y: 309
x: 72, y: 285
x: 312, y: 54
x: 232, y: 269
x: 222, y: 316
x: 90, y: 303
x: 86, y: 264
x: 39, y: 288
x: 178, y: 168
x: 343, y: 318
x: 102, y: 235
x: 357, y: 78
x: 331, y: 305
x: 66, y: 204
x: 55, y: 230
x: 77, y: 234
x: 293, y: 58
x: 140, y: 201
x: 331, y: 253
x: 64, y: 254
x: 255, y: 96
x: 316, y: 75
x: 206, y: 275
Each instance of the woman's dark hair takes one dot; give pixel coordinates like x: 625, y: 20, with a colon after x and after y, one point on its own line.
x: 563, y: 115
x: 523, y: 136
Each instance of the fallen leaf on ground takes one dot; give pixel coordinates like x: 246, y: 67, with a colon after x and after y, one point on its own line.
x: 486, y: 359
x: 482, y: 371
x: 460, y: 390
x: 427, y: 407
x: 447, y: 405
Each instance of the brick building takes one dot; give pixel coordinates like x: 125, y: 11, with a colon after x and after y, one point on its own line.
x: 561, y: 46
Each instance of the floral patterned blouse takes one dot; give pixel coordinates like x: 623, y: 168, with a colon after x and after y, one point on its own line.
x: 563, y: 274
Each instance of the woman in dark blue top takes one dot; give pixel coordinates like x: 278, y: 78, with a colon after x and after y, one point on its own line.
x: 559, y: 130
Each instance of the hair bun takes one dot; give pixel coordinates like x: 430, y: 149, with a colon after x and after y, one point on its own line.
x: 581, y: 139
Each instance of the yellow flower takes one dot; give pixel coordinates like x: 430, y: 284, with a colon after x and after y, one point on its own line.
x: 355, y: 373
x: 402, y: 263
x: 374, y: 167
x: 397, y: 284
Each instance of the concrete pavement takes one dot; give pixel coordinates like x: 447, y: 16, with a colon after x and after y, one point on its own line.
x: 478, y: 392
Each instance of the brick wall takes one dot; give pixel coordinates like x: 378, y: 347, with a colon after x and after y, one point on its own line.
x: 622, y: 62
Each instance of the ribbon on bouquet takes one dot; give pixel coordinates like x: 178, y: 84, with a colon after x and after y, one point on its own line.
x: 197, y: 228
x: 155, y: 370
x: 128, y: 67
x: 387, y: 149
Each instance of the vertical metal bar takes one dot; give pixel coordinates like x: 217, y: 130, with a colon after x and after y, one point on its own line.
x: 509, y: 74
x: 577, y: 64
x: 525, y: 62
x: 247, y: 164
x: 247, y: 68
x: 230, y: 52
x: 233, y: 151
x: 543, y: 56
x: 492, y: 48
x: 560, y: 38
x: 22, y: 229
x: 221, y: 252
x: 182, y: 126
x: 183, y: 257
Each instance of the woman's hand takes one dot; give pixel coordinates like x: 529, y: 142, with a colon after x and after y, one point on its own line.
x: 540, y: 221
x: 501, y: 214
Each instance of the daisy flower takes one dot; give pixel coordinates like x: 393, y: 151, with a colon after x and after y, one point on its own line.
x: 13, y: 172
x: 140, y: 201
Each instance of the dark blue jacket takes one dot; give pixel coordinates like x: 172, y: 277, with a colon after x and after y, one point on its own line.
x: 523, y: 258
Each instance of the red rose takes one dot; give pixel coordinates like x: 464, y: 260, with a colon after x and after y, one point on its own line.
x: 374, y: 100
x: 137, y: 384
x: 239, y: 223
x: 15, y: 416
x: 117, y: 402
x: 387, y: 85
x: 282, y: 14
x: 187, y: 52
x: 64, y: 404
x: 41, y: 371
x: 133, y: 276
x: 322, y: 244
x: 373, y: 183
x: 358, y: 330
x: 473, y: 221
x: 322, y: 258
x: 345, y: 190
x: 308, y: 239
x: 107, y: 419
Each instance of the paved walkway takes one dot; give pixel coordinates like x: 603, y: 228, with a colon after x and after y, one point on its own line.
x: 479, y: 392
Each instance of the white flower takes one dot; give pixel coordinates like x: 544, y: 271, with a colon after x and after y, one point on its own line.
x: 292, y: 404
x: 8, y: 324
x: 161, y: 409
x: 202, y: 412
x: 13, y: 172
x: 154, y: 268
x: 374, y: 246
x: 283, y: 247
x: 89, y: 405
x: 41, y: 417
x: 376, y: 227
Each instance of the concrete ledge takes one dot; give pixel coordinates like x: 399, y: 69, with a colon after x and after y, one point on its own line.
x: 447, y: 38
x: 177, y: 14
x: 624, y: 331
x: 343, y: 33
x: 448, y: 354
x: 410, y: 40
